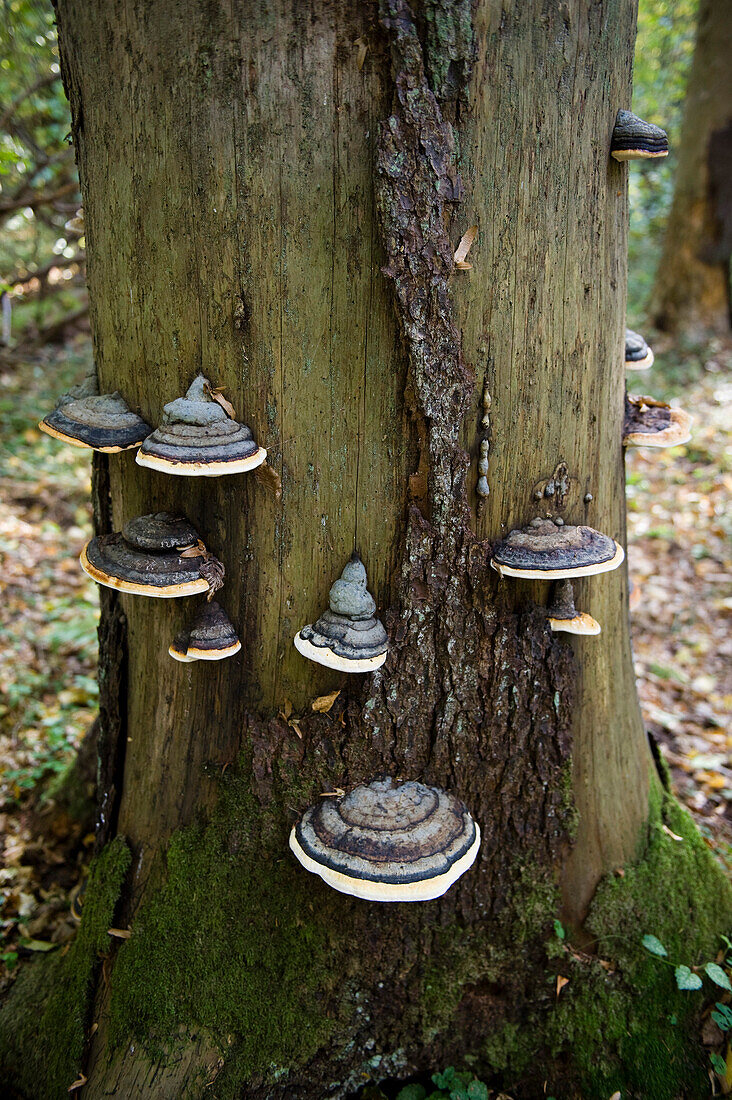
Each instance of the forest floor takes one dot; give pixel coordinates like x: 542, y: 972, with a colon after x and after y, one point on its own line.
x: 679, y: 527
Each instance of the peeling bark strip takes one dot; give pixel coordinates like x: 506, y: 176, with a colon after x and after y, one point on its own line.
x: 417, y: 188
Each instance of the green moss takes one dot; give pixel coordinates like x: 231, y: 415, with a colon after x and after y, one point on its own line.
x: 230, y: 943
x: 629, y: 1027
x: 44, y: 1019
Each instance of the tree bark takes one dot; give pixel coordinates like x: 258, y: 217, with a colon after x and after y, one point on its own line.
x: 261, y: 207
x: 692, y: 289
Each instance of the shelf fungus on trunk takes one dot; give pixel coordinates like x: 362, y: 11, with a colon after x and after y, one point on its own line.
x: 347, y: 636
x: 76, y: 224
x: 638, y: 354
x: 101, y: 422
x: 551, y: 550
x: 388, y: 841
x: 154, y: 555
x: 564, y: 616
x: 198, y: 438
x: 634, y: 139
x: 210, y: 637
x: 650, y: 423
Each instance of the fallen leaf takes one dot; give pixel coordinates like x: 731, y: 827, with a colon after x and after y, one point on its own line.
x: 79, y: 1083
x: 270, y: 479
x: 464, y: 247
x: 324, y: 702
x: 561, y: 982
x: 362, y: 51
x: 674, y: 836
x: 337, y: 793
x: 219, y: 398
x: 120, y: 933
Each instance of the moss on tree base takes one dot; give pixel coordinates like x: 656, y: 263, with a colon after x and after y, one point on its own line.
x: 237, y: 946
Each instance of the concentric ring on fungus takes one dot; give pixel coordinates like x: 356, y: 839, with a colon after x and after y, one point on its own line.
x: 388, y: 841
x: 547, y: 551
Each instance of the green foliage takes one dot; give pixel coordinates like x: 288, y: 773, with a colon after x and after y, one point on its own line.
x: 44, y: 1019
x: 663, y: 52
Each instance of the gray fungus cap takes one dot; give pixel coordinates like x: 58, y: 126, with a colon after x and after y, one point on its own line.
x: 388, y: 841
x: 551, y: 551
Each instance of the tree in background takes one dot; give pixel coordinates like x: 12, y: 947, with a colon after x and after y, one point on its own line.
x: 273, y: 195
x: 692, y: 289
x: 40, y: 261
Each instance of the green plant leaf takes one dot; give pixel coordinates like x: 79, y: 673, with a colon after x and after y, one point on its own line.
x: 654, y: 945
x: 686, y: 980
x: 412, y: 1092
x: 559, y: 929
x: 719, y: 1064
x: 718, y: 976
x: 477, y: 1090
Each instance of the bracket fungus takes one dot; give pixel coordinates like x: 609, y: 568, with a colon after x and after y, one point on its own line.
x: 76, y: 224
x: 347, y: 636
x: 638, y: 354
x: 551, y: 550
x: 634, y: 139
x: 210, y: 637
x: 101, y: 422
x: 198, y: 438
x: 388, y: 841
x: 154, y: 555
x: 564, y: 616
x: 650, y: 423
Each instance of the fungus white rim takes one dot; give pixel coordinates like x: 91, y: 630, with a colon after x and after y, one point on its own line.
x: 582, y: 624
x: 189, y: 588
x: 178, y: 656
x: 46, y: 427
x: 195, y: 654
x: 201, y: 469
x: 637, y: 154
x: 675, y: 434
x: 323, y: 655
x: 562, y: 573
x: 367, y: 890
x: 641, y: 364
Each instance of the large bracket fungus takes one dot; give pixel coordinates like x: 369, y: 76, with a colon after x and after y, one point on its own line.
x: 386, y: 841
x: 549, y: 550
x: 638, y: 354
x: 347, y: 636
x: 564, y: 616
x: 650, y: 423
x: 210, y: 637
x: 101, y: 422
x: 634, y: 139
x: 154, y: 555
x: 197, y: 438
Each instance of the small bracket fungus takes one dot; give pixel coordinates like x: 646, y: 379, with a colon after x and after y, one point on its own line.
x: 101, y: 422
x: 211, y: 637
x: 650, y: 423
x: 388, y: 842
x: 546, y: 550
x: 197, y: 438
x: 563, y: 615
x: 348, y: 636
x: 155, y: 555
x: 638, y: 355
x: 634, y: 139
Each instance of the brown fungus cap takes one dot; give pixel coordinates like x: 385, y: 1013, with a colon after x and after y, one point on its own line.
x: 564, y: 616
x: 101, y: 422
x: 638, y: 355
x: 650, y: 423
x: 211, y: 637
x: 347, y: 636
x: 634, y: 139
x: 154, y: 555
x: 546, y: 551
x: 197, y: 438
x: 388, y: 841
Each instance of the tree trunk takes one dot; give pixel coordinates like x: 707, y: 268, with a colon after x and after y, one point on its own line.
x: 265, y: 205
x: 692, y: 290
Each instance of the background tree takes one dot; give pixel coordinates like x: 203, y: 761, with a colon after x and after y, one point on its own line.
x: 232, y: 165
x: 692, y: 290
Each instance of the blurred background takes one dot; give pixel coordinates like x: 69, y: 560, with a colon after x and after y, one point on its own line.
x: 678, y: 500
